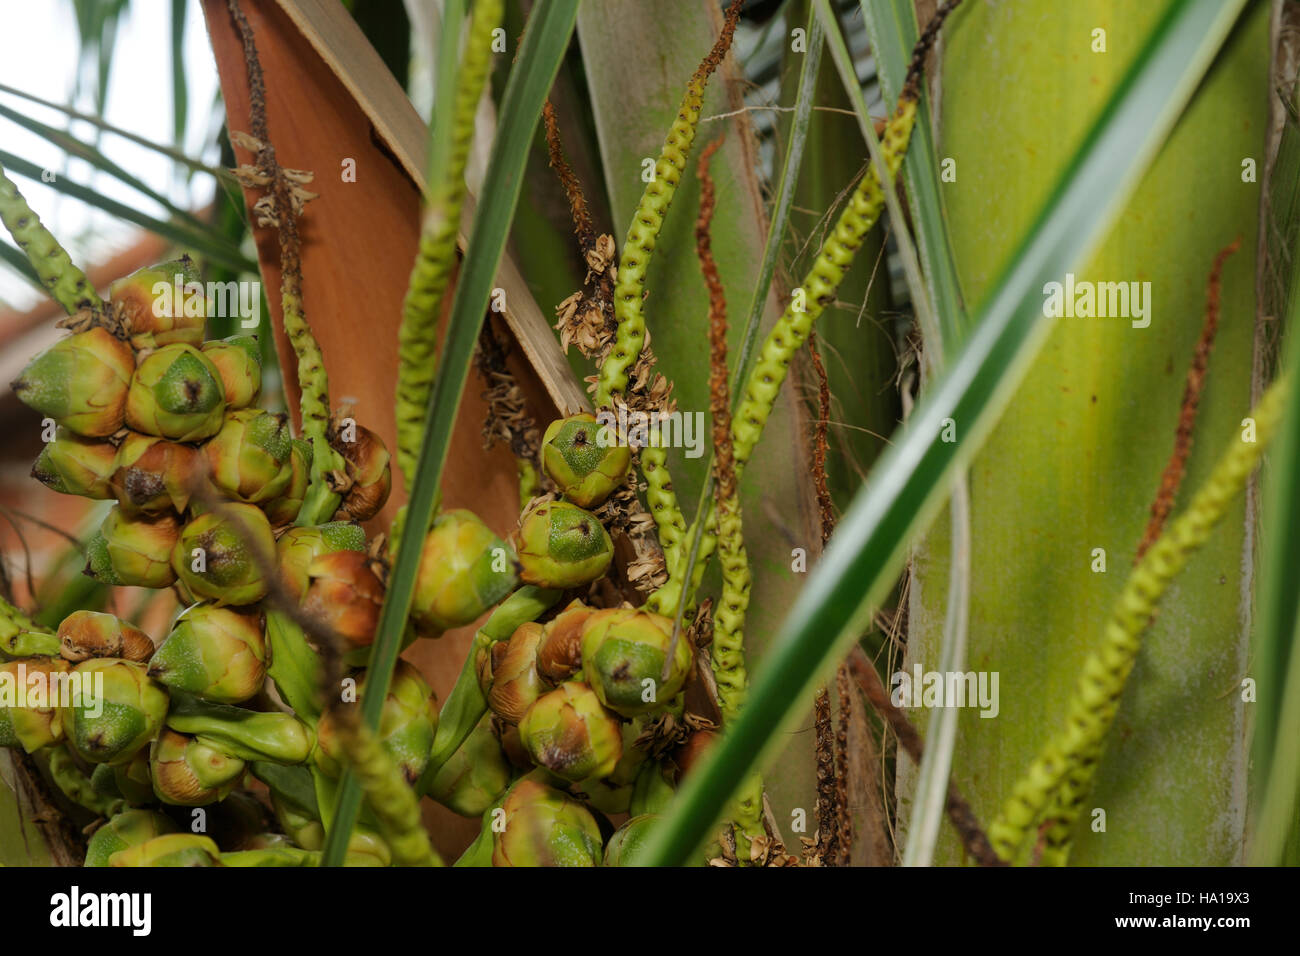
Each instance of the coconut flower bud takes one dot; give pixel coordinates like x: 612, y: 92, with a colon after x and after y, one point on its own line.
x: 74, y: 465
x: 249, y: 457
x: 153, y: 314
x: 464, y: 570
x: 151, y: 474
x: 544, y: 827
x: 298, y: 547
x: 515, y: 681
x: 173, y: 849
x: 216, y: 653
x: 128, y: 828
x: 81, y: 382
x: 30, y: 715
x: 559, y: 656
x: 475, y: 775
x: 367, y: 462
x: 407, y: 725
x: 176, y: 393
x: 214, y: 555
x: 189, y: 772
x: 86, y: 634
x: 627, y: 846
x: 581, y: 456
x: 561, y: 546
x: 119, y: 710
x: 238, y: 360
x: 345, y: 594
x: 623, y: 654
x: 138, y: 549
x: 571, y: 734
x: 284, y: 509
x: 132, y: 779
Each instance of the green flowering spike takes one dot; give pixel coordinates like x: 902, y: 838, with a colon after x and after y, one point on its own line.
x: 81, y: 382
x: 544, y: 827
x: 86, y: 634
x: 74, y: 465
x: 627, y: 846
x: 173, y: 849
x: 514, y: 680
x: 238, y: 361
x: 623, y: 656
x: 407, y: 725
x: 571, y: 734
x: 284, y: 509
x: 29, y: 702
x: 584, y: 459
x: 464, y: 570
x: 213, y: 556
x: 216, y: 653
x: 249, y: 458
x: 297, y: 548
x: 475, y: 775
x: 247, y: 734
x: 66, y: 284
x: 139, y: 547
x: 561, y: 546
x: 151, y: 474
x: 154, y: 316
x: 189, y: 772
x: 126, y: 829
x: 176, y: 393
x: 119, y: 710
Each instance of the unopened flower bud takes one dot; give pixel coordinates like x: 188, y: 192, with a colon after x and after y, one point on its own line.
x: 561, y: 546
x: 81, y: 382
x: 215, y: 653
x: 176, y: 393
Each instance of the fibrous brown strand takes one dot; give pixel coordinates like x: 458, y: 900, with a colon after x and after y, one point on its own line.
x: 825, y: 505
x: 1172, y: 477
x: 719, y: 392
x: 828, y: 829
x: 962, y: 816
x: 911, y: 86
x: 721, y: 45
x: 569, y: 180
x: 507, y: 417
x: 843, y: 818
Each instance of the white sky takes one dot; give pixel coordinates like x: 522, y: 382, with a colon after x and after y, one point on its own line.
x: 38, y: 54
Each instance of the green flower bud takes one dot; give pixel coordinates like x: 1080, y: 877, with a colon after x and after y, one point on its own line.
x: 176, y: 393
x: 629, y: 765
x: 561, y: 546
x: 216, y: 653
x: 249, y: 459
x: 214, y: 555
x: 81, y: 382
x: 559, y: 657
x: 368, y: 469
x: 247, y: 734
x: 604, y: 796
x: 515, y: 682
x: 583, y: 459
x: 132, y: 779
x: 570, y: 733
x: 189, y: 772
x: 298, y: 547
x: 111, y: 726
x: 623, y: 654
x: 138, y: 549
x: 151, y: 474
x: 156, y: 316
x: 627, y: 846
x: 30, y: 715
x: 129, y: 828
x: 407, y: 725
x: 98, y: 565
x: 284, y: 509
x: 86, y: 634
x: 544, y: 827
x: 345, y: 594
x: 238, y: 360
x: 74, y: 465
x: 464, y: 570
x: 475, y: 775
x: 173, y: 849
x: 303, y: 828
